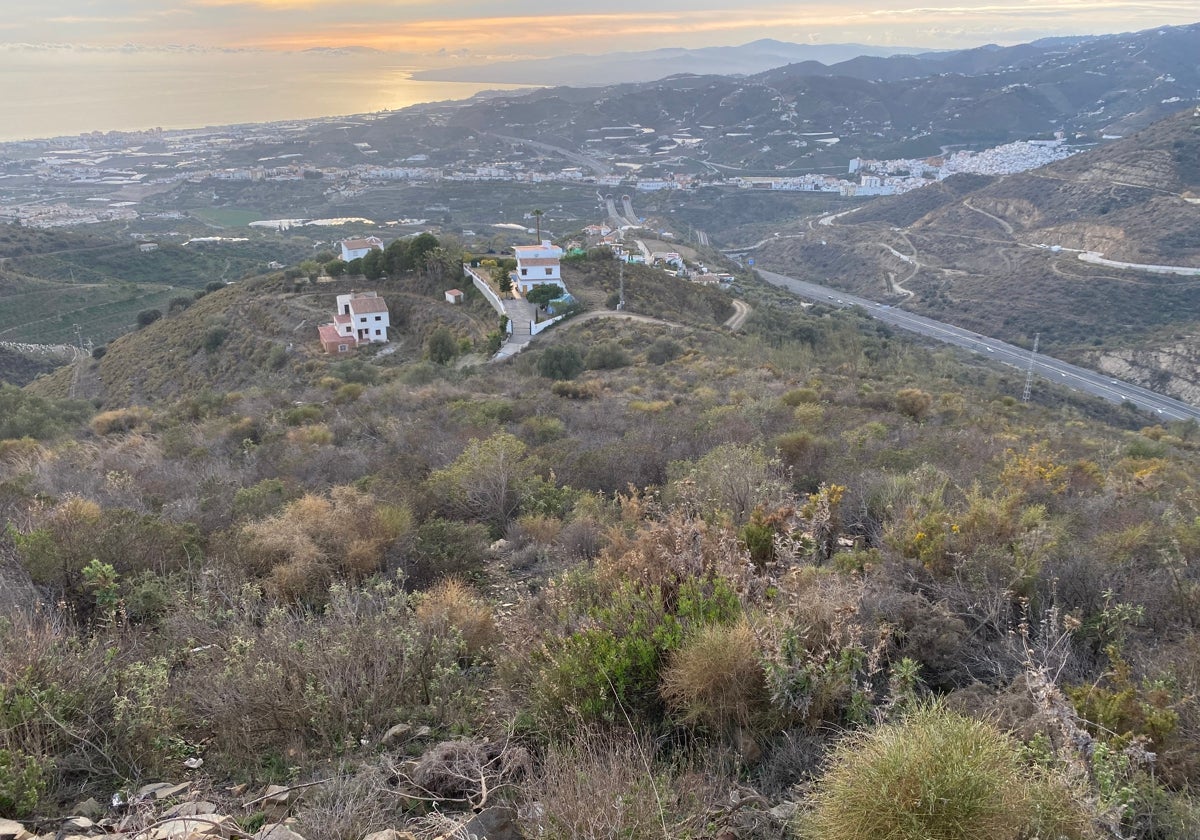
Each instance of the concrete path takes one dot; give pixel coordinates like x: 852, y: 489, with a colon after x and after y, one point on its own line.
x: 520, y: 313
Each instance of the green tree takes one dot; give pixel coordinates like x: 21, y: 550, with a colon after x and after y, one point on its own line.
x: 560, y: 363
x: 441, y: 346
x: 543, y: 293
x: 420, y: 247
x: 335, y: 268
x: 503, y: 279
x: 373, y: 265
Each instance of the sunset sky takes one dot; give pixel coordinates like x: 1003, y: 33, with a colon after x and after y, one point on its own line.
x: 444, y: 32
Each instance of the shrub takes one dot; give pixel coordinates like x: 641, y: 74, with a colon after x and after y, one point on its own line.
x: 178, y: 304
x: 576, y: 390
x: 27, y: 415
x: 444, y: 547
x: 561, y: 362
x: 543, y: 429
x: 935, y: 774
x: 315, y: 539
x: 453, y: 608
x: 120, y: 420
x: 662, y: 351
x: 214, y: 337
x: 716, y: 678
x: 607, y: 355
x: 296, y: 679
x: 610, y: 669
x: 914, y: 403
x: 148, y: 316
x: 488, y: 481
x: 441, y: 346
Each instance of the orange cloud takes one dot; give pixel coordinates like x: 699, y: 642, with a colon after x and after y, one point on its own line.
x: 881, y: 21
x: 542, y: 30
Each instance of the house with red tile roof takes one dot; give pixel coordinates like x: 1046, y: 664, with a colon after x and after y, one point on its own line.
x: 352, y: 249
x: 537, y: 265
x: 361, y: 318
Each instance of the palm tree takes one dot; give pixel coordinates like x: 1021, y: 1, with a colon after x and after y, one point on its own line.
x: 537, y: 216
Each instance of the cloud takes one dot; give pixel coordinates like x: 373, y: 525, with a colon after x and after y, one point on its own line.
x: 524, y: 27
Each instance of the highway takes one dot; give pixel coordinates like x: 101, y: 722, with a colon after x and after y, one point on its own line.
x: 1071, y: 376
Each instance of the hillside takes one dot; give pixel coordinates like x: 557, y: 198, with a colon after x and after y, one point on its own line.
x: 894, y: 107
x: 977, y: 251
x: 502, y: 589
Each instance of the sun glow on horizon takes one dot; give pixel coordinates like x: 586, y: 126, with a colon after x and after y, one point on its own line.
x: 424, y: 28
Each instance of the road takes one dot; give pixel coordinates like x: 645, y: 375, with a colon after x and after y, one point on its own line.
x: 1053, y: 370
x: 599, y: 167
x: 741, y: 311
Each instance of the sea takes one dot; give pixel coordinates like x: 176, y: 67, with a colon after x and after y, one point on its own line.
x: 55, y: 92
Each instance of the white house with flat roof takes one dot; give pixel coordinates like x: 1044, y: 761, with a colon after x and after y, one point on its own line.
x: 538, y: 265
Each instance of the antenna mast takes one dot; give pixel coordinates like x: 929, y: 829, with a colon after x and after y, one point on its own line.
x: 1029, y: 369
x: 621, y: 275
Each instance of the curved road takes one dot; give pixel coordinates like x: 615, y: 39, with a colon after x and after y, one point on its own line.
x: 1071, y: 376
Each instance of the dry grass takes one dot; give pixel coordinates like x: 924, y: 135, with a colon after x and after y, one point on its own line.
x: 315, y: 539
x: 600, y: 788
x: 453, y: 607
x: 936, y: 775
x: 120, y: 420
x: 716, y: 679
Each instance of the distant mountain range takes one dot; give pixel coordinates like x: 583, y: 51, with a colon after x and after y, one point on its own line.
x: 808, y: 116
x: 622, y: 67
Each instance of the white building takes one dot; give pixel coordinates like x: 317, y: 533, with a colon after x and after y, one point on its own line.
x: 352, y: 249
x: 537, y: 265
x: 362, y: 316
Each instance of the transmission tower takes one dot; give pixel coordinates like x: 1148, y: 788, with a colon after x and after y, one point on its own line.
x: 1029, y: 370
x: 621, y: 275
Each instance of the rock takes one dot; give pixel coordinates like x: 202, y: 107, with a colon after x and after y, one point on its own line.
x: 784, y: 811
x: 89, y: 808
x: 198, y: 826
x: 389, y: 834
x: 161, y: 790
x: 423, y: 732
x: 79, y: 824
x: 278, y: 831
x: 496, y: 823
x: 12, y: 830
x: 276, y: 795
x: 396, y: 733
x: 190, y: 809
x: 172, y: 790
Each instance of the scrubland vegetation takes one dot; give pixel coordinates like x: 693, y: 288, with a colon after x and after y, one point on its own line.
x: 809, y: 581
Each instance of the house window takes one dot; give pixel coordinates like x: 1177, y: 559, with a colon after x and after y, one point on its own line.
x: 524, y: 272
x: 549, y: 272
x: 342, y: 348
x: 363, y: 319
x: 378, y: 332
x: 378, y: 317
